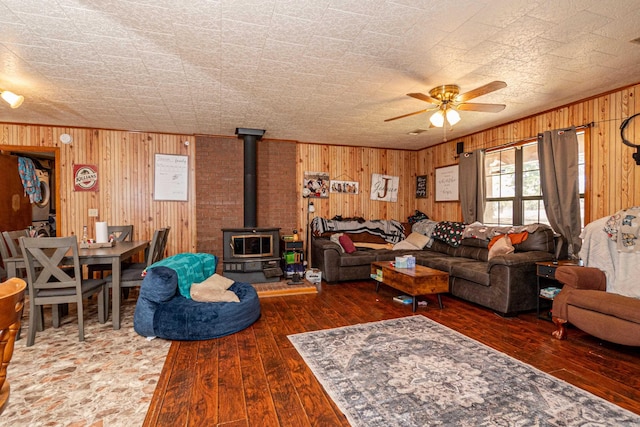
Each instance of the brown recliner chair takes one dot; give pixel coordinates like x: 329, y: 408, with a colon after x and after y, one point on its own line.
x: 584, y: 303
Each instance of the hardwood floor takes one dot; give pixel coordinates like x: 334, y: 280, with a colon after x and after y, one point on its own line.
x: 257, y: 378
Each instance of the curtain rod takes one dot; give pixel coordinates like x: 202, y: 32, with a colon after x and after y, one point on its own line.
x: 509, y: 144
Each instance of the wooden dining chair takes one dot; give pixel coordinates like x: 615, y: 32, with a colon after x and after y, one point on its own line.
x: 12, y: 239
x: 4, y: 254
x: 120, y: 233
x: 132, y: 275
x: 51, y: 283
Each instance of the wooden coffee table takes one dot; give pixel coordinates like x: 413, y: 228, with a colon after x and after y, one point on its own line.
x: 414, y: 281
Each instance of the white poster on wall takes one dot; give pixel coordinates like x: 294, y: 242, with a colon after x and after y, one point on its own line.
x: 384, y: 187
x: 171, y: 177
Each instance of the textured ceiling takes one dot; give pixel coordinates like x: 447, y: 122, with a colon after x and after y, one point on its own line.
x: 325, y: 71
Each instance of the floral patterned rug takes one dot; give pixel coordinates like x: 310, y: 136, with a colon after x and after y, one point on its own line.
x: 413, y: 371
x: 107, y: 380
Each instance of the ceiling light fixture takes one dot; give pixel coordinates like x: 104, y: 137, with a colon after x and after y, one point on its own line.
x: 451, y: 116
x: 12, y: 99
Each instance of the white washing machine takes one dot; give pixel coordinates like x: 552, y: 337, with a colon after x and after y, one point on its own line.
x: 41, y: 210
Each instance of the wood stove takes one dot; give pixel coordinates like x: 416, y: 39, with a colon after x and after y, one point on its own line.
x: 251, y: 255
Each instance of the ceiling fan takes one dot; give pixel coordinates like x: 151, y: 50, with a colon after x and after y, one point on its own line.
x: 447, y: 100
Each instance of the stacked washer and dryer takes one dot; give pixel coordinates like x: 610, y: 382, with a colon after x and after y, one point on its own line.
x: 41, y: 212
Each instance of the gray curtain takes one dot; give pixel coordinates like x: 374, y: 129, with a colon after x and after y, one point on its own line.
x: 558, y: 156
x: 472, y: 186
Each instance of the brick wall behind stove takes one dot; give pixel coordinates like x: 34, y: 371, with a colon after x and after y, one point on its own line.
x: 220, y: 194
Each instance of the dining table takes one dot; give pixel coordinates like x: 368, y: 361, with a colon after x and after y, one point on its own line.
x: 114, y: 255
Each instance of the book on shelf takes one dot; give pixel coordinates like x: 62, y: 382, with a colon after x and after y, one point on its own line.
x: 549, y: 292
x: 403, y: 299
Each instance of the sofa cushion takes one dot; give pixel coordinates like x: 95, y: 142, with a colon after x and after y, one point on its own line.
x: 357, y: 258
x: 540, y: 240
x: 444, y: 263
x: 616, y: 305
x: 472, y: 271
x: 476, y: 243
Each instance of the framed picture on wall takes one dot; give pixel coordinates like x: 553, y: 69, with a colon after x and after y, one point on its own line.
x: 446, y: 181
x: 317, y: 183
x: 345, y: 187
x: 421, y: 187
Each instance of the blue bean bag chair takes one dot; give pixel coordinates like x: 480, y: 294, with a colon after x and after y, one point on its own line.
x: 161, y: 311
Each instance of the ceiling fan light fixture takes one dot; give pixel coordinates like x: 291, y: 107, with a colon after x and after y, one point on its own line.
x: 437, y: 119
x: 12, y: 99
x: 453, y: 116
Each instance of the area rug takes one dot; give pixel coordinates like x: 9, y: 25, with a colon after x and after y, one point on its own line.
x: 413, y: 371
x: 283, y: 288
x: 107, y: 380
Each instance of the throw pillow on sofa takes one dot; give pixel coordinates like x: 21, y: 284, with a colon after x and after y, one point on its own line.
x: 404, y: 245
x: 502, y: 246
x: 418, y: 240
x: 335, y: 238
x: 347, y: 244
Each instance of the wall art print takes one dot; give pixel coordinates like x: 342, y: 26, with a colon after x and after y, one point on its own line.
x: 85, y: 178
x: 345, y: 187
x: 318, y: 183
x: 384, y: 187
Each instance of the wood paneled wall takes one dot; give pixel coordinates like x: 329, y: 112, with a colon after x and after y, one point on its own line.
x: 125, y: 166
x: 613, y: 178
x: 357, y: 164
x: 125, y: 162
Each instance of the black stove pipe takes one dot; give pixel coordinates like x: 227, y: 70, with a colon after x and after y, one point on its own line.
x: 250, y: 137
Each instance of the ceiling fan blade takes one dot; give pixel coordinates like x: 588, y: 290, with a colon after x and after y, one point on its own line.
x: 425, y: 98
x: 482, y: 90
x: 407, y: 115
x: 485, y: 108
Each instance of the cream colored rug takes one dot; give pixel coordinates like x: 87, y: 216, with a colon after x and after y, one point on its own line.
x: 107, y: 380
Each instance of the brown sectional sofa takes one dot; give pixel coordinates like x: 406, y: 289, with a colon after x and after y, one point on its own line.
x: 506, y: 283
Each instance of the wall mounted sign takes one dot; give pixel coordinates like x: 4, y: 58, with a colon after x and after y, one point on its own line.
x: 317, y: 183
x: 384, y: 187
x: 346, y: 187
x: 421, y: 187
x: 447, y: 184
x: 171, y: 178
x: 85, y: 178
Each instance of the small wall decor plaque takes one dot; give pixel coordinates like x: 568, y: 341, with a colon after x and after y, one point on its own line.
x: 421, y: 187
x: 85, y: 178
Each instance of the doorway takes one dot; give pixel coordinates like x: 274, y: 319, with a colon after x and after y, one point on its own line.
x: 43, y: 215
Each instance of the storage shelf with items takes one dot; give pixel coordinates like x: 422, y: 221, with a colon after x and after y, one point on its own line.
x: 292, y: 252
x: 548, y: 287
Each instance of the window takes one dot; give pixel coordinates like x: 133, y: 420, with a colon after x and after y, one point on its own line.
x: 513, y: 192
